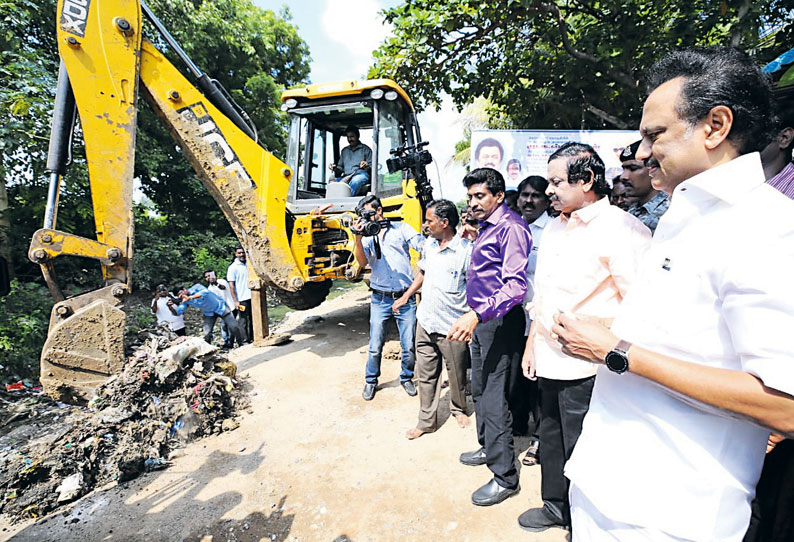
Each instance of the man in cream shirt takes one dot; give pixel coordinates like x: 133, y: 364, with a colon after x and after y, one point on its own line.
x: 588, y: 261
x: 700, y: 359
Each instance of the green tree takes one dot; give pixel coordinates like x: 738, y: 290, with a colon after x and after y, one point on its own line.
x: 559, y: 63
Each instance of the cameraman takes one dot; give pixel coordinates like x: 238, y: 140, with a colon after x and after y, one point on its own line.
x: 391, y: 276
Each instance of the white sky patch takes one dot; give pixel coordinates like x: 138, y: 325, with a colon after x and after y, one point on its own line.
x: 357, y: 28
x: 443, y: 130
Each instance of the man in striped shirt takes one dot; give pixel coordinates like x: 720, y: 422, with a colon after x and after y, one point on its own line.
x: 776, y: 157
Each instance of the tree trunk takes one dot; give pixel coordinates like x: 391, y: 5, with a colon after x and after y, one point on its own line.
x: 5, y: 229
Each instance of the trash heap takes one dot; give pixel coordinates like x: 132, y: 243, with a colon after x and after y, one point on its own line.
x: 167, y: 394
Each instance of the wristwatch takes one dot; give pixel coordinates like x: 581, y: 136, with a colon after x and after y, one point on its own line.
x: 617, y: 360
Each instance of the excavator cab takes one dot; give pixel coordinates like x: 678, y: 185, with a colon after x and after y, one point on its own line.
x: 319, y: 117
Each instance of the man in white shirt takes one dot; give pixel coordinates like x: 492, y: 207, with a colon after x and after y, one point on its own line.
x: 700, y: 359
x: 166, y: 314
x: 221, y: 288
x: 442, y: 278
x: 587, y: 264
x: 237, y: 275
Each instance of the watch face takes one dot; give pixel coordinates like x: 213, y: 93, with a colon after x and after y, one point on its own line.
x: 616, y: 362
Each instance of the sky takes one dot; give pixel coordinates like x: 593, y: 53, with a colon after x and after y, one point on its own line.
x: 341, y: 35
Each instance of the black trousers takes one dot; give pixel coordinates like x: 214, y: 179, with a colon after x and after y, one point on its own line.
x: 563, y: 405
x: 771, y: 520
x: 522, y: 396
x: 496, y: 345
x: 245, y: 321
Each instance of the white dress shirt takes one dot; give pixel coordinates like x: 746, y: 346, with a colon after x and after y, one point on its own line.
x: 586, y: 265
x: 714, y: 289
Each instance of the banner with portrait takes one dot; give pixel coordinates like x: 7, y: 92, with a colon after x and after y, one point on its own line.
x: 520, y: 153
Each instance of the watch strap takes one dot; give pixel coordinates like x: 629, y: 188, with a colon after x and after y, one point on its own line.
x: 623, y: 347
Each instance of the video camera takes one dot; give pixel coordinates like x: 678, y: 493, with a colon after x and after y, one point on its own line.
x: 371, y: 227
x: 414, y: 158
x: 407, y: 157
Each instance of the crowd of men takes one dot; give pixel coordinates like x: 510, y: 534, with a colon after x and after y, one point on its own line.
x: 645, y: 344
x: 226, y: 299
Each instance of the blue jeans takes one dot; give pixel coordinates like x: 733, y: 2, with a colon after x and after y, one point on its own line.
x: 357, y: 182
x: 379, y: 314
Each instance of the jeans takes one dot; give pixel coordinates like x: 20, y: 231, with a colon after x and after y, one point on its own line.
x: 379, y: 314
x: 231, y: 325
x: 357, y: 181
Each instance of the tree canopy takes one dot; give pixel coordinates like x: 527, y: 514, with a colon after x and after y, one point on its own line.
x: 560, y: 63
x: 254, y: 53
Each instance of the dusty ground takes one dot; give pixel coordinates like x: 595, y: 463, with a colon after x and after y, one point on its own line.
x: 313, y: 461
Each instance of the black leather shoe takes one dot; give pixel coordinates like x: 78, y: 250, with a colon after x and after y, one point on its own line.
x: 369, y: 392
x: 492, y: 493
x: 474, y: 458
x: 539, y: 519
x: 409, y: 387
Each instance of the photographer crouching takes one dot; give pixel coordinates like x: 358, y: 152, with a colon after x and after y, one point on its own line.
x: 385, y: 247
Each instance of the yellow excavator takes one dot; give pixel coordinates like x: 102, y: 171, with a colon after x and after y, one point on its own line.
x: 271, y: 204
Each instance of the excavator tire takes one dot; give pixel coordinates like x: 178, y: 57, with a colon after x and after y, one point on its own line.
x: 308, y: 297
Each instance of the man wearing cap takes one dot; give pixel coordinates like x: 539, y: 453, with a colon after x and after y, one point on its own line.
x: 651, y: 204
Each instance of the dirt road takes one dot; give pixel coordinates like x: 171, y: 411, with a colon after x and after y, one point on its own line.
x: 312, y: 462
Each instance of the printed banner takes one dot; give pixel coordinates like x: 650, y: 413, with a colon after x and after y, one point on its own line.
x: 520, y: 153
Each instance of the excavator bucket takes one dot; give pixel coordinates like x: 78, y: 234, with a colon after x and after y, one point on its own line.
x: 84, y: 346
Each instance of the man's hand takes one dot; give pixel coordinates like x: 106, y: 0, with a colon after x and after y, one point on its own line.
x: 399, y: 302
x: 321, y: 210
x: 358, y: 225
x: 583, y: 337
x: 528, y: 364
x: 463, y: 328
x: 237, y: 306
x: 332, y: 167
x: 363, y: 164
x: 469, y: 232
x: 774, y: 440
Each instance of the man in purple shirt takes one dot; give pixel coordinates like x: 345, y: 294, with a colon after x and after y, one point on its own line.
x: 495, y: 288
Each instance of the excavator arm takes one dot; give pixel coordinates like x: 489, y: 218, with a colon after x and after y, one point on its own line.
x: 104, y: 60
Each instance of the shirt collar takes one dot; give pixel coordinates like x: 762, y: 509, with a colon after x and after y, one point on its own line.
x: 730, y: 181
x: 655, y: 201
x: 496, y: 216
x: 542, y: 220
x: 588, y: 213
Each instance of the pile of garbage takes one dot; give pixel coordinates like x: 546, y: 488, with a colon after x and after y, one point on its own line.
x: 168, y: 393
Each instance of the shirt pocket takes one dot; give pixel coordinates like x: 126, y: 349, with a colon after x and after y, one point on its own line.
x: 452, y: 280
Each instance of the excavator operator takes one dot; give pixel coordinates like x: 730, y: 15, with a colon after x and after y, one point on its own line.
x: 354, y: 163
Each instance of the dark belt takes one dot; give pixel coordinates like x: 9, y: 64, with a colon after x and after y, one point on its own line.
x: 393, y: 295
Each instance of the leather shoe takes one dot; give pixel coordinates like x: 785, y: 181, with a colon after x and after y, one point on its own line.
x: 492, y: 493
x: 409, y: 387
x: 539, y: 519
x: 474, y: 458
x: 369, y: 392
